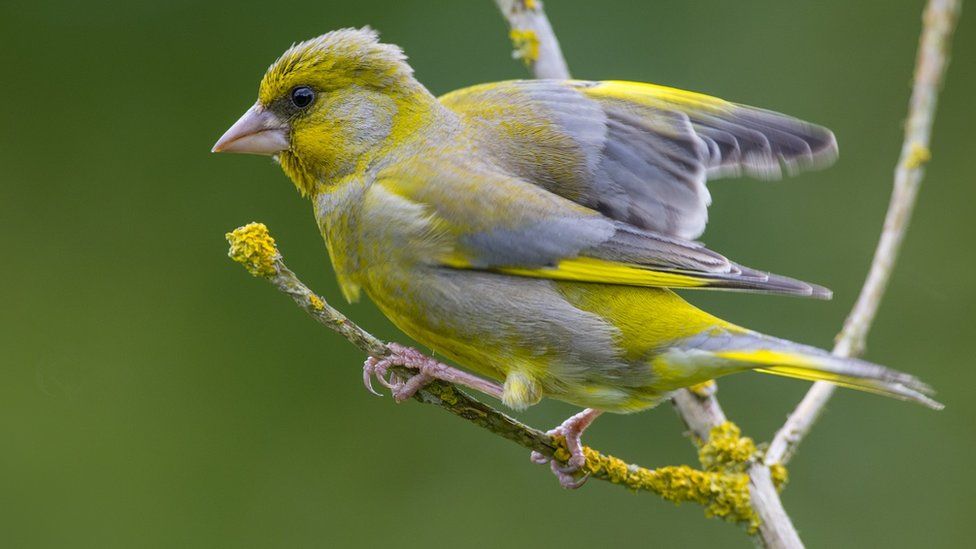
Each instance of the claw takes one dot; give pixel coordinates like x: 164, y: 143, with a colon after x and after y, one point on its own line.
x: 368, y: 382
x: 379, y: 369
x: 566, y: 478
x: 427, y: 370
x: 368, y: 372
x: 570, y: 430
x: 376, y: 368
x: 388, y: 383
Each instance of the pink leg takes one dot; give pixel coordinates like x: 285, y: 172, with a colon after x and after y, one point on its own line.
x: 572, y: 430
x: 428, y: 370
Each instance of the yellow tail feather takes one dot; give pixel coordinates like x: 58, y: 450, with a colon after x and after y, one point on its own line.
x: 849, y: 373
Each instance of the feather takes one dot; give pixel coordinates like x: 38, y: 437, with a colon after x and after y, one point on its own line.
x: 639, y: 153
x: 520, y: 229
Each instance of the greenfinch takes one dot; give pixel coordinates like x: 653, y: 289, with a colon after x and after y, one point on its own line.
x: 532, y: 231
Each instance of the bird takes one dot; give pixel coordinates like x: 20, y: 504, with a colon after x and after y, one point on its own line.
x: 535, y: 232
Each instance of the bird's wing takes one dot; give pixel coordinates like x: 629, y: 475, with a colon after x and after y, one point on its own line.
x: 475, y: 218
x: 638, y: 153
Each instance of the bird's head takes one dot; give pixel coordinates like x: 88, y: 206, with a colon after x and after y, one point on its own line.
x: 325, y: 105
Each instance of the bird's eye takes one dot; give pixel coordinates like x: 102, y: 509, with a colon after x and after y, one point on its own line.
x: 302, y: 96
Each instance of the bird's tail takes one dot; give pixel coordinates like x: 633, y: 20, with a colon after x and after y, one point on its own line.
x: 775, y: 356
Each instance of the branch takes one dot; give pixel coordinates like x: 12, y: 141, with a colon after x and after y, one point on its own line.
x: 721, y: 487
x: 701, y: 413
x: 933, y: 57
x: 531, y: 34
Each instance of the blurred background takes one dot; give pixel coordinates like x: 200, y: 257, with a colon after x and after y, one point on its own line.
x: 152, y: 394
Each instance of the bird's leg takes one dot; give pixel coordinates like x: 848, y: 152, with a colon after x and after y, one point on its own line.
x: 427, y: 369
x: 571, y: 430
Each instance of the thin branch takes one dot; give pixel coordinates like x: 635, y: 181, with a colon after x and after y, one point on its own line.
x: 933, y: 57
x: 721, y: 488
x: 532, y: 37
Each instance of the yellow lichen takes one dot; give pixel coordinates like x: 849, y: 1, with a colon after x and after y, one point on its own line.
x: 917, y: 156
x: 724, y: 493
x: 448, y: 395
x: 253, y: 247
x: 779, y: 474
x: 526, y: 44
x: 727, y: 449
x: 316, y: 302
x: 704, y: 389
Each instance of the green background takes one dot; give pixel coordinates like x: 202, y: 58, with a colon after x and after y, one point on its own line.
x: 152, y: 394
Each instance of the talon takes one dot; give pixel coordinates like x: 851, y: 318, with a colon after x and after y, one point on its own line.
x: 427, y: 368
x: 566, y: 479
x: 401, y: 389
x: 368, y: 382
x: 375, y: 368
x: 369, y: 370
x: 381, y: 377
x: 571, y: 431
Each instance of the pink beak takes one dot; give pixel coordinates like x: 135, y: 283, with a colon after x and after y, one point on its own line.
x: 259, y: 131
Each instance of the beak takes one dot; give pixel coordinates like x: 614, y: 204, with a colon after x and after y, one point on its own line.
x: 259, y: 131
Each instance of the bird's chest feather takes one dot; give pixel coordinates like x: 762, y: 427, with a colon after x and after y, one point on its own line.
x: 377, y: 239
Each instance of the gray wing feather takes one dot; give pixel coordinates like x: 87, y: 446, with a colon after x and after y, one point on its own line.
x: 763, y: 144
x: 554, y: 236
x: 658, y: 182
x: 642, y: 164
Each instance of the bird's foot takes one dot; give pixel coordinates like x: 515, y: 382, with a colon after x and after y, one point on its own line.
x: 427, y: 369
x: 572, y: 431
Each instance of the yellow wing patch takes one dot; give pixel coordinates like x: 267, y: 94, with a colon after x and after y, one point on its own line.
x: 653, y: 95
x: 586, y: 269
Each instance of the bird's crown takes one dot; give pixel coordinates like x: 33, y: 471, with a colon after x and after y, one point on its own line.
x: 337, y: 59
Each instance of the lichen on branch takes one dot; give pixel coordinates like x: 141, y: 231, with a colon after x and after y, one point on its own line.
x: 253, y: 247
x: 526, y: 45
x: 726, y: 449
x: 721, y: 486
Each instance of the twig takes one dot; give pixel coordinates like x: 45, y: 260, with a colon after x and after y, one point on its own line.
x: 532, y: 37
x: 939, y: 22
x: 721, y: 487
